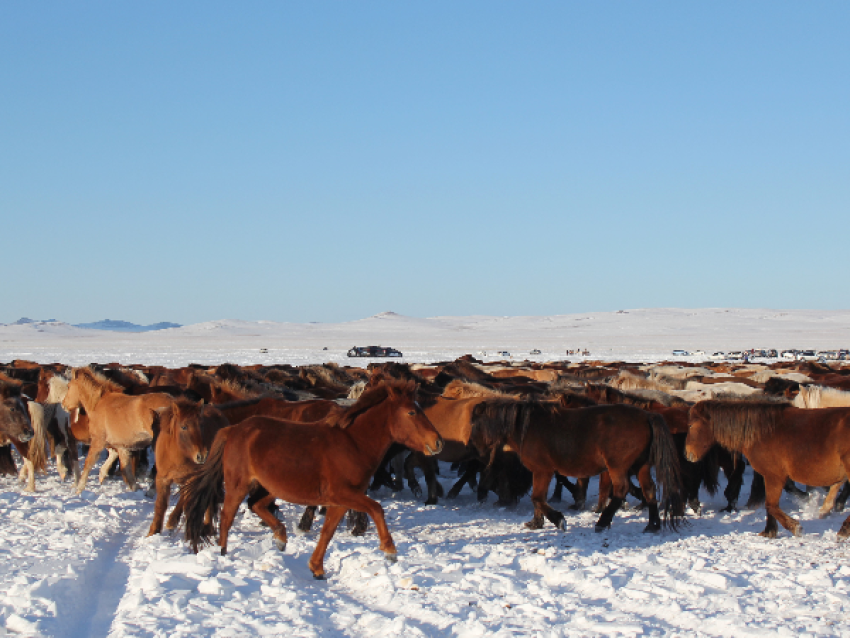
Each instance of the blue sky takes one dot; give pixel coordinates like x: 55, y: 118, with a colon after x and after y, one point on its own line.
x: 328, y: 161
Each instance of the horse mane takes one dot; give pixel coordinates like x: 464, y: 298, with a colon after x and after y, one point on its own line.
x: 369, y: 399
x: 739, y: 424
x: 495, y: 421
x: 57, y: 388
x: 94, y: 384
x: 458, y: 389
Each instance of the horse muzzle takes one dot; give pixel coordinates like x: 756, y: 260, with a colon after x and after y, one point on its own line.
x: 200, y: 457
x: 26, y: 436
x: 434, y: 452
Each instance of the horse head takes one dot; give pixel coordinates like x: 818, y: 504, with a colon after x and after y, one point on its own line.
x: 181, y: 423
x: 15, y: 420
x: 408, y: 423
x: 700, y: 433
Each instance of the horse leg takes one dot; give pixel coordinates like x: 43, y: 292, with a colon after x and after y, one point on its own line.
x: 468, y: 476
x: 539, y: 490
x: 233, y: 497
x: 647, y: 486
x: 734, y: 472
x: 793, y: 490
x: 413, y: 459
x: 95, y: 448
x: 317, y: 560
x: 307, y: 517
x: 604, y: 492
x: 829, y: 501
x: 619, y: 488
x: 127, y: 468
x: 358, y: 522
x: 430, y: 471
x: 397, y: 465
x: 163, y: 491
x: 176, y: 515
x: 773, y: 492
x: 363, y: 503
x: 842, y: 497
x: 261, y: 509
x: 757, y: 494
x: 107, y: 465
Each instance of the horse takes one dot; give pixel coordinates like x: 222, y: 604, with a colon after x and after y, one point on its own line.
x: 780, y: 442
x: 116, y: 420
x: 186, y: 432
x: 307, y: 464
x: 818, y: 396
x: 584, y: 442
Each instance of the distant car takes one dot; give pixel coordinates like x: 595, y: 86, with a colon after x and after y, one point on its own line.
x: 681, y: 353
x: 789, y: 354
x: 373, y: 351
x: 737, y: 355
x: 535, y: 351
x: 807, y: 355
x: 503, y: 353
x: 698, y: 353
x: 717, y: 356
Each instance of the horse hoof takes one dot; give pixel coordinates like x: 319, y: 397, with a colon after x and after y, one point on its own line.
x: 431, y: 501
x: 318, y: 577
x: 281, y: 545
x: 651, y: 529
x: 798, y: 531
x: 601, y: 528
x: 533, y: 525
x: 767, y: 534
x: 562, y: 525
x: 392, y: 557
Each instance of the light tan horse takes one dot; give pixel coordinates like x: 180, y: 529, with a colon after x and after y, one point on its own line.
x: 116, y: 420
x: 818, y: 396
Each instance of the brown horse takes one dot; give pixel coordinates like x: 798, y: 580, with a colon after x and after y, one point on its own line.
x: 186, y: 432
x: 811, y: 446
x: 307, y: 464
x: 584, y: 442
x: 116, y: 420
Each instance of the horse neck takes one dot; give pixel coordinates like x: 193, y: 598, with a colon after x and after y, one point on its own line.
x: 89, y: 398
x: 370, y: 432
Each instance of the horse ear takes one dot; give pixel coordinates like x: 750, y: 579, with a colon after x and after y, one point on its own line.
x: 201, y: 402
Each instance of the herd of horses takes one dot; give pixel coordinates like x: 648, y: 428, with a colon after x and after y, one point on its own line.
x: 320, y: 436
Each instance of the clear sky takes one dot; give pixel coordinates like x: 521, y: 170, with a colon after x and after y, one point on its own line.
x: 325, y: 161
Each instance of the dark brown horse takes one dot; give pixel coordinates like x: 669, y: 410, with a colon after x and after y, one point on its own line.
x: 307, y: 464
x: 186, y: 432
x: 780, y: 442
x: 584, y: 442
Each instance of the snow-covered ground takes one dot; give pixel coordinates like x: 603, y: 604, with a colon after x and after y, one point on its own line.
x: 633, y: 335
x: 80, y: 566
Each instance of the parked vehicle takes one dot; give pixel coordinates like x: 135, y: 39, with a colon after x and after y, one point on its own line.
x: 681, y: 353
x: 717, y: 356
x: 373, y: 351
x: 535, y: 351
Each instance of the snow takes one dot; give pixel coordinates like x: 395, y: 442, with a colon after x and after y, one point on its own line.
x: 82, y: 566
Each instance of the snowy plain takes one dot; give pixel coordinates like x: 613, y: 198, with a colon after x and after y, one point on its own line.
x: 81, y: 565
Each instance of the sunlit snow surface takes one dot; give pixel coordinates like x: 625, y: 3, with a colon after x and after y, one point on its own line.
x: 82, y: 566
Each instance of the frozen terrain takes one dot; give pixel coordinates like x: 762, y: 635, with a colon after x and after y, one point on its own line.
x: 632, y: 335
x: 78, y: 566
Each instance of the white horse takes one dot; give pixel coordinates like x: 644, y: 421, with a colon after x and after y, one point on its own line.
x: 818, y: 396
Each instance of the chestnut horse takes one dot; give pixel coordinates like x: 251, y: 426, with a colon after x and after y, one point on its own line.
x: 307, y: 464
x: 116, y: 420
x: 811, y: 446
x: 186, y: 432
x: 584, y: 442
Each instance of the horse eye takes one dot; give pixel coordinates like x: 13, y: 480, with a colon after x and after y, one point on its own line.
x: 183, y: 427
x: 411, y: 413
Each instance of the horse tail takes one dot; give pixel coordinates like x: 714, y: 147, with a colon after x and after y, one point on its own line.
x: 37, y: 453
x: 202, y: 492
x: 663, y: 456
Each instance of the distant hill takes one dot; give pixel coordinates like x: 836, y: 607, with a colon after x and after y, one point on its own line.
x: 125, y: 326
